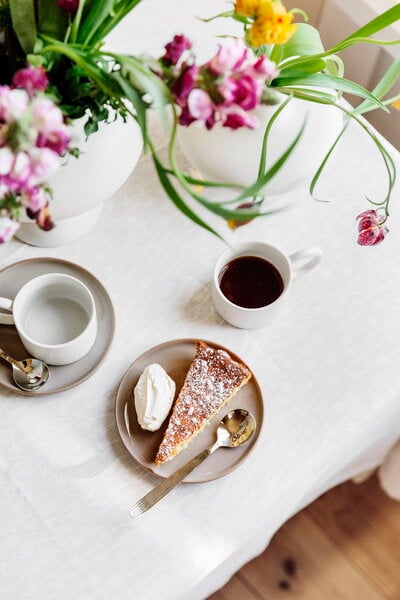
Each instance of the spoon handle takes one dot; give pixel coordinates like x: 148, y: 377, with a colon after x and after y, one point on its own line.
x: 168, y: 484
x: 19, y: 364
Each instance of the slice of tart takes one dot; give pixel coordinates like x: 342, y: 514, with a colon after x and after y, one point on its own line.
x: 213, y: 378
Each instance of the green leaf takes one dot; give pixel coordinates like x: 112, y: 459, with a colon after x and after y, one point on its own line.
x: 381, y: 22
x: 177, y: 199
x: 24, y: 24
x: 93, y: 16
x: 383, y: 87
x: 306, y: 41
x: 315, y: 65
x: 131, y: 94
x: 322, y: 166
x: 328, y: 81
x: 52, y: 20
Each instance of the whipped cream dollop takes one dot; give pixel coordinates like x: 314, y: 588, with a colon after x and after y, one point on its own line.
x: 154, y: 394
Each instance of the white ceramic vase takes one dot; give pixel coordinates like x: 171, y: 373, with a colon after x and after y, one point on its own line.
x: 225, y: 155
x: 81, y: 185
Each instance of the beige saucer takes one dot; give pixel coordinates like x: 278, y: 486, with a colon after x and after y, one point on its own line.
x: 175, y: 357
x: 62, y: 378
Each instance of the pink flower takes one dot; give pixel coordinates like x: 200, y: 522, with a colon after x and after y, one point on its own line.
x: 265, y: 67
x: 175, y: 49
x: 57, y: 140
x: 235, y: 117
x: 7, y: 229
x: 200, y: 105
x: 70, y: 6
x: 184, y: 84
x: 46, y: 116
x: 13, y: 103
x: 371, y: 227
x: 6, y: 160
x: 43, y: 163
x: 32, y: 79
x: 230, y: 57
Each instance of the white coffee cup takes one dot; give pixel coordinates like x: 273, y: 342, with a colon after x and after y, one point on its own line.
x: 290, y: 267
x: 55, y: 316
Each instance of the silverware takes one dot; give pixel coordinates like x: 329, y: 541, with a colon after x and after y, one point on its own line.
x: 235, y: 429
x: 29, y: 374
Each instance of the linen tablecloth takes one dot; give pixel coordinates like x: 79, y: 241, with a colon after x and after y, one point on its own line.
x: 328, y: 368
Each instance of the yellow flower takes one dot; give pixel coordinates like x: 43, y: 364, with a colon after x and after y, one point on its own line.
x: 396, y: 104
x: 273, y: 24
x: 246, y: 8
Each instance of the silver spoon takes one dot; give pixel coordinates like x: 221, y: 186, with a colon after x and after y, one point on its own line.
x: 29, y: 374
x: 235, y: 429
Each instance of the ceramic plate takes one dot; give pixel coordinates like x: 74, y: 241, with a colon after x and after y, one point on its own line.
x: 175, y: 357
x: 64, y: 377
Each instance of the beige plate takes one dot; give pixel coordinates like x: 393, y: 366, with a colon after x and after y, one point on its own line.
x: 175, y: 356
x: 64, y: 377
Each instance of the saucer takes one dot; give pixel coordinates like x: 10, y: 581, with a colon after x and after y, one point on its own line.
x: 64, y: 377
x: 175, y: 357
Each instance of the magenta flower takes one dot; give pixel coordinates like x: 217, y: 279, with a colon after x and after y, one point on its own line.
x: 175, y: 49
x: 7, y: 229
x: 200, y: 105
x: 247, y: 92
x: 70, y: 6
x: 236, y: 118
x: 32, y: 79
x: 371, y: 227
x: 184, y: 84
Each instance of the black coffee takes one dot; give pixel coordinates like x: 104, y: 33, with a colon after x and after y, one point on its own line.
x: 250, y: 282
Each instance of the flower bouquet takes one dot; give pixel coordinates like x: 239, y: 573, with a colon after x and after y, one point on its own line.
x: 54, y: 68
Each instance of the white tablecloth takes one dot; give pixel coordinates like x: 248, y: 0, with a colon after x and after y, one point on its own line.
x: 329, y: 368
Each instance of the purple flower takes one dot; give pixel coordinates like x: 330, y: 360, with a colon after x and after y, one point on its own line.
x: 175, y: 49
x: 184, y: 84
x: 70, y: 6
x: 32, y: 79
x: 7, y: 229
x: 371, y: 227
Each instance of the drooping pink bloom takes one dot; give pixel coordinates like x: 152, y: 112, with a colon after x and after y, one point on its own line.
x: 175, y: 49
x: 230, y: 57
x: 184, y: 84
x: 7, y: 229
x: 35, y: 199
x: 32, y: 79
x: 70, y: 6
x: 371, y: 227
x: 200, y: 105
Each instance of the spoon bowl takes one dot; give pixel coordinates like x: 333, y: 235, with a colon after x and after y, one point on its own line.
x: 34, y: 377
x: 29, y: 374
x: 236, y: 428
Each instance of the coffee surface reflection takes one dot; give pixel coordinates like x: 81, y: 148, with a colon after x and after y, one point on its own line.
x: 251, y: 282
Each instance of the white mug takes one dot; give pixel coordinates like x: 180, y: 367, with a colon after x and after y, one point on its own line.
x: 289, y: 267
x: 55, y: 316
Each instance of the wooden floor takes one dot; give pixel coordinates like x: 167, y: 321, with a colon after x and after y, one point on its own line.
x: 344, y: 546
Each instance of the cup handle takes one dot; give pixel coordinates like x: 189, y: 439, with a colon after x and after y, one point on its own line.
x: 6, y: 304
x: 305, y: 260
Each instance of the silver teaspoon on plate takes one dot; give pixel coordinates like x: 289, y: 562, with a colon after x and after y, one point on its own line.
x: 29, y: 374
x: 235, y: 429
